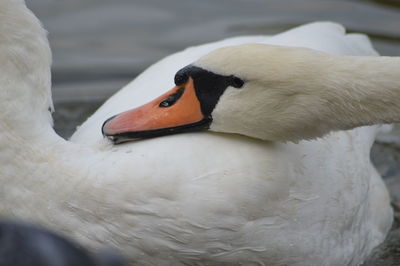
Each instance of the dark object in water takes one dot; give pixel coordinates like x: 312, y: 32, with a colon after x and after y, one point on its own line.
x: 22, y: 244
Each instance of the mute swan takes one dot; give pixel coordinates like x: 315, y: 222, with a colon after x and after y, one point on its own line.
x: 188, y: 199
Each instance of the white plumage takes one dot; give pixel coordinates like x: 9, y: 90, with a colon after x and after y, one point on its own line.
x: 189, y: 199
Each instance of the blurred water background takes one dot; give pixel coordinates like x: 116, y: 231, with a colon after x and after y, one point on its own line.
x: 99, y: 46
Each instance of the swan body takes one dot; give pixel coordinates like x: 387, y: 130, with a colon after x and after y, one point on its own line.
x: 189, y: 199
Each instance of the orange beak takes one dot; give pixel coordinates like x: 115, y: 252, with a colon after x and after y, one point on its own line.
x: 178, y: 110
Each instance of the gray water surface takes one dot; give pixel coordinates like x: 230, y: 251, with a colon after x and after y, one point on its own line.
x: 100, y: 45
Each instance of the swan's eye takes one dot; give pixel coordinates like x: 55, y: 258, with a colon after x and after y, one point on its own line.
x: 171, y: 100
x: 237, y: 82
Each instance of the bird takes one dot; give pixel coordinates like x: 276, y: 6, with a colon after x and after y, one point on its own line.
x: 199, y: 198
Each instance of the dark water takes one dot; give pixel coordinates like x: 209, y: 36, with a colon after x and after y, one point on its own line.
x: 101, y: 45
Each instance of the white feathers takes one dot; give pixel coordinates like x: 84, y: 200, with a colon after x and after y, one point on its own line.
x: 188, y: 199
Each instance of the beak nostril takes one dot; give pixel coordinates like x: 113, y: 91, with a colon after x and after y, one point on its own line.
x: 172, y: 99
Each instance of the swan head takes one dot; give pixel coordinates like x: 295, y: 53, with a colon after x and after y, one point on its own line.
x: 257, y: 90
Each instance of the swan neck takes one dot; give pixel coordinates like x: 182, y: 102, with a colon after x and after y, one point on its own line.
x: 362, y: 91
x: 25, y: 80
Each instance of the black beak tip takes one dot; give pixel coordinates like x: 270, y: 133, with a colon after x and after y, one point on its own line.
x: 113, y: 139
x: 105, y: 122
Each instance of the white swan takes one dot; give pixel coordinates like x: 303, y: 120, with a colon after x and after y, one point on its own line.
x: 189, y: 199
